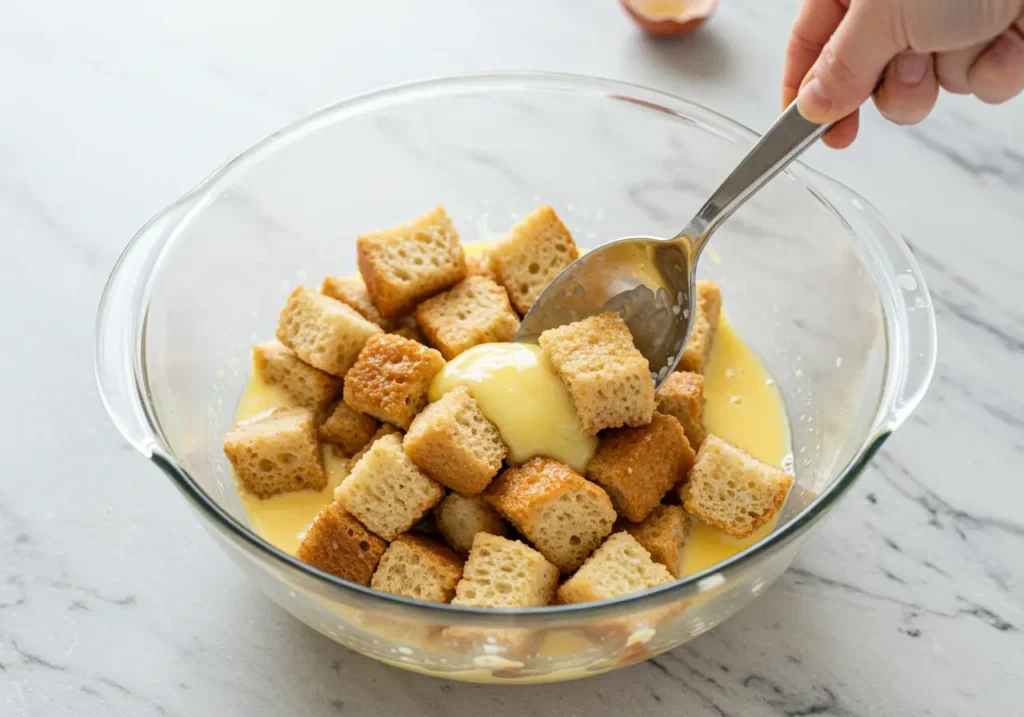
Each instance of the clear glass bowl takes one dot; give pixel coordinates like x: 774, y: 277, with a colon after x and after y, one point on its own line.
x: 813, y: 277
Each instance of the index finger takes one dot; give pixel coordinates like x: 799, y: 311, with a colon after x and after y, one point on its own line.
x: 815, y: 23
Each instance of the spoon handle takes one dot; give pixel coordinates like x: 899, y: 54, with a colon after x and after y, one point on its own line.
x: 781, y: 144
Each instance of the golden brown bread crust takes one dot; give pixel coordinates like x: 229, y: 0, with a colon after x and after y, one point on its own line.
x: 564, y: 515
x: 276, y: 453
x: 516, y: 492
x: 663, y: 534
x: 347, y: 428
x: 708, y: 303
x: 474, y: 311
x: 391, y: 378
x: 419, y: 568
x: 410, y: 262
x: 338, y: 544
x: 453, y: 442
x: 637, y: 466
x: 609, y: 380
x: 682, y: 397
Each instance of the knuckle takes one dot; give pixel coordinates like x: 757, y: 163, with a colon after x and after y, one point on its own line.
x: 835, y: 71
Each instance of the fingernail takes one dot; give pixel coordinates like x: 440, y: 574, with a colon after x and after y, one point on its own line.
x: 812, y: 101
x: 911, y: 68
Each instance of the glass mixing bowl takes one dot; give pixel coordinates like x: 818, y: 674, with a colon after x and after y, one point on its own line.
x: 812, y: 276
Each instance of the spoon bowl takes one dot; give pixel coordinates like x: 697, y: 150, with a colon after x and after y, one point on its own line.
x: 646, y: 280
x: 650, y: 281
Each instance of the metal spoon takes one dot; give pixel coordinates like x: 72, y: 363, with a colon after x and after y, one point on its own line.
x: 650, y: 281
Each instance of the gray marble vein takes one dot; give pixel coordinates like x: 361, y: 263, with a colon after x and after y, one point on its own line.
x: 113, y: 601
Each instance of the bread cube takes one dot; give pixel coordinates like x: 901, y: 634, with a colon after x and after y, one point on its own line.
x: 407, y: 328
x: 391, y: 378
x: 385, y: 491
x: 276, y: 452
x: 309, y: 387
x: 347, y: 428
x: 563, y: 514
x: 323, y: 332
x: 531, y: 256
x: 453, y: 442
x: 411, y: 262
x: 351, y: 291
x: 708, y: 303
x: 338, y: 544
x: 731, y: 490
x: 386, y: 429
x: 620, y: 566
x: 460, y: 518
x: 663, y: 534
x: 475, y: 311
x: 682, y: 397
x: 504, y: 573
x: 637, y: 466
x: 609, y: 380
x: 419, y: 568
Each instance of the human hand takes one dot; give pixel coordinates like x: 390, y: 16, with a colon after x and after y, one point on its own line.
x: 841, y: 52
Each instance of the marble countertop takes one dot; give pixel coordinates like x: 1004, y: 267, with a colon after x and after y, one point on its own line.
x: 909, y: 601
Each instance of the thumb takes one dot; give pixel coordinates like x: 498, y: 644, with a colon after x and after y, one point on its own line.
x: 845, y: 74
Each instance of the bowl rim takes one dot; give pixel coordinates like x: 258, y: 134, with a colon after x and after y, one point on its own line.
x: 709, y: 579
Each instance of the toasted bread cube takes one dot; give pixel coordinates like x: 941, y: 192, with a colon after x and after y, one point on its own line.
x: 348, y: 428
x: 276, y: 453
x: 708, y: 305
x: 386, y: 429
x: 407, y: 328
x: 338, y: 544
x: 452, y: 441
x: 411, y: 262
x: 620, y: 566
x: 386, y: 491
x: 505, y: 573
x: 419, y: 568
x: 323, y: 332
x: 682, y: 397
x: 637, y: 466
x: 663, y: 534
x: 562, y: 513
x: 609, y: 380
x: 729, y: 489
x: 351, y: 291
x: 310, y: 387
x: 460, y: 518
x: 391, y: 379
x: 474, y: 311
x: 531, y: 256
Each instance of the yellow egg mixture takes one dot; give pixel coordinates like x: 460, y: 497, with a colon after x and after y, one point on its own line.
x: 519, y: 392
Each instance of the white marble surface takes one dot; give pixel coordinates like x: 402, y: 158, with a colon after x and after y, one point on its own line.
x: 910, y: 601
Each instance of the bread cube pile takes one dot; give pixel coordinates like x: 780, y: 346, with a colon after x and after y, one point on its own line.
x: 357, y: 359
